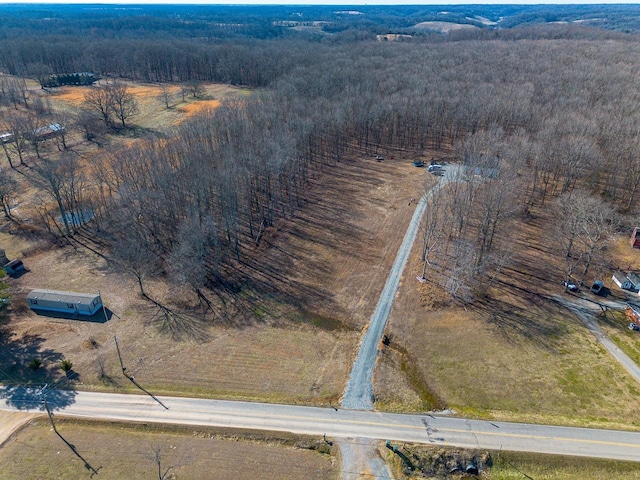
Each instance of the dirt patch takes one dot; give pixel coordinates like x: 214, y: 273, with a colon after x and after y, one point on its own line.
x: 120, y: 451
x: 12, y: 422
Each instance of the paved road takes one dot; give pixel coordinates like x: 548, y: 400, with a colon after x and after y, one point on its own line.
x: 344, y: 423
x: 359, y: 392
x: 586, y: 310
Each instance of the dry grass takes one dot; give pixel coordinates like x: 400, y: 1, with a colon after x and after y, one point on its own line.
x: 289, y: 362
x: 514, y: 357
x: 36, y: 453
x: 623, y: 256
x: 198, y: 107
x: 615, y: 325
x: 512, y: 465
x: 153, y: 113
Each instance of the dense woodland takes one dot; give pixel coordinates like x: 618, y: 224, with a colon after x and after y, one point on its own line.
x: 547, y: 114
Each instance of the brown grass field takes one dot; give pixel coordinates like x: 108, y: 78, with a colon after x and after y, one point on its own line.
x: 153, y: 113
x: 36, y: 452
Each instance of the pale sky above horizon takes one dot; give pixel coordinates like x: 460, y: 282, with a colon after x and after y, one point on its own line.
x: 329, y: 2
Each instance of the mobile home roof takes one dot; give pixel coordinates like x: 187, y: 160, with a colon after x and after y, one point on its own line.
x: 66, y: 297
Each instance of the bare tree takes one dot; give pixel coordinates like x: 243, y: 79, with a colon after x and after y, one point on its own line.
x: 16, y: 125
x: 586, y: 224
x: 8, y: 189
x: 195, y: 88
x: 98, y: 99
x: 195, y: 254
x: 34, y: 132
x: 134, y: 255
x: 122, y: 103
x: 166, y: 96
x: 460, y: 277
x: 433, y: 226
x: 90, y: 124
x: 160, y: 460
x: 17, y: 92
x: 51, y: 178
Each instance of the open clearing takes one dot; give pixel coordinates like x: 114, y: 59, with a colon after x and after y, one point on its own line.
x: 153, y: 112
x: 36, y: 452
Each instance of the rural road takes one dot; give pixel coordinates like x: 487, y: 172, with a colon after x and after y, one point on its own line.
x: 340, y: 424
x: 586, y: 310
x: 359, y: 392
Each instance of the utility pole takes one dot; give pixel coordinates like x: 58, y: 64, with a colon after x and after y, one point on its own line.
x: 132, y: 380
x: 119, y: 355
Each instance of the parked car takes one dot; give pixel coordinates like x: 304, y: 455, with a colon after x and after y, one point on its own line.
x: 634, y: 326
x: 572, y: 287
x: 434, y: 168
x: 597, y: 287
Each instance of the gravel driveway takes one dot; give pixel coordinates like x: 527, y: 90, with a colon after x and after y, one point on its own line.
x: 359, y: 392
x: 361, y: 458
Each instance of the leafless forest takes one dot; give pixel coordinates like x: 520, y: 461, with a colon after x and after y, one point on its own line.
x: 544, y: 115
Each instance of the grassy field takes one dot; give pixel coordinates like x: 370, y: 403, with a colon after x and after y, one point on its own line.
x: 36, y: 452
x: 153, y: 112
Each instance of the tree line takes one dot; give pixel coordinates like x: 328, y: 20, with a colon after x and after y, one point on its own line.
x: 553, y: 116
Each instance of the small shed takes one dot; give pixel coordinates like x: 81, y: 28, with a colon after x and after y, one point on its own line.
x: 64, y: 302
x: 635, y: 238
x: 633, y: 313
x: 14, y: 267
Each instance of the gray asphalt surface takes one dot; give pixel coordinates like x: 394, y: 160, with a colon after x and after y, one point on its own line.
x: 351, y: 424
x: 359, y: 392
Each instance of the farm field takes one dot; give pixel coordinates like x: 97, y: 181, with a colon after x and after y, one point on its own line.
x: 35, y: 452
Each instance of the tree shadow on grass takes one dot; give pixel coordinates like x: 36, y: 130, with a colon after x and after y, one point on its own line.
x: 516, y: 323
x: 26, y: 366
x: 179, y: 325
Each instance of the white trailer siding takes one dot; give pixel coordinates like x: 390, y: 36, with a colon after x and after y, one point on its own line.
x: 64, y: 302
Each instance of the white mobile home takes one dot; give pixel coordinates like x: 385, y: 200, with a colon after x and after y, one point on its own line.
x: 630, y: 281
x: 64, y: 302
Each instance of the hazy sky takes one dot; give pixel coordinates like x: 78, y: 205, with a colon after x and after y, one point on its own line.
x: 330, y: 2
